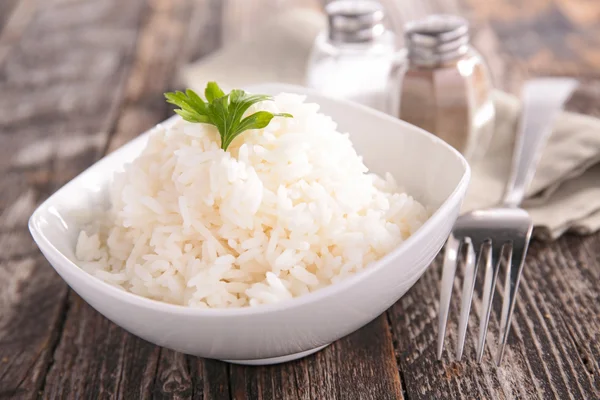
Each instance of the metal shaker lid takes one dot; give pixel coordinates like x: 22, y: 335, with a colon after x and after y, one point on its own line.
x: 437, y: 39
x: 354, y: 21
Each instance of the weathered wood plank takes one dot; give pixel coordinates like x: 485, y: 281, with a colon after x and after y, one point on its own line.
x: 359, y: 366
x: 586, y: 99
x: 85, y: 371
x: 15, y: 16
x: 122, y: 365
x: 552, y: 351
x: 26, y: 342
x: 555, y: 37
x: 50, y: 130
x: 6, y: 9
x: 210, y: 378
x: 187, y: 377
x: 204, y: 31
x: 158, y: 54
x: 173, y: 379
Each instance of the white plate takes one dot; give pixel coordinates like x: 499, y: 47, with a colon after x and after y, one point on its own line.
x: 428, y: 168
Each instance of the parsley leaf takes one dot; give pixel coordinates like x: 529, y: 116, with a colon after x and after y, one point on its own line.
x: 225, y: 111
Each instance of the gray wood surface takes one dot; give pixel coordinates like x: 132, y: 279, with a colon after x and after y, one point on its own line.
x: 79, y: 78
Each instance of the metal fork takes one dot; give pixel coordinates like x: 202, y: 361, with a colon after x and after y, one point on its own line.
x: 489, y: 232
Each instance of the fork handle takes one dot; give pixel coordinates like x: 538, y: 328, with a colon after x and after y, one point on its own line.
x: 543, y: 99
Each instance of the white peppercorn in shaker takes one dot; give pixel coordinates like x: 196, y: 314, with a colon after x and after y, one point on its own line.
x: 443, y: 84
x: 352, y: 59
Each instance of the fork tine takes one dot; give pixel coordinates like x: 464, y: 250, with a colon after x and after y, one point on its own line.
x: 492, y: 253
x: 448, y: 272
x: 472, y: 263
x: 511, y: 285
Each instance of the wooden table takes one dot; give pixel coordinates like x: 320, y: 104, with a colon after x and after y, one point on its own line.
x: 80, y: 77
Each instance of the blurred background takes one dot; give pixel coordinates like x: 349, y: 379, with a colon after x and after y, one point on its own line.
x: 98, y: 68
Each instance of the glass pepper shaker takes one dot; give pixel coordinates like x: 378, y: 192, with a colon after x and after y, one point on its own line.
x: 353, y: 58
x: 443, y: 85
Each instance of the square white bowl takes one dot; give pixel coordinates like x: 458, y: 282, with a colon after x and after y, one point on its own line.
x: 430, y: 170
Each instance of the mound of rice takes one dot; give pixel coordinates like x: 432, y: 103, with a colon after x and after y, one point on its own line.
x: 285, y: 211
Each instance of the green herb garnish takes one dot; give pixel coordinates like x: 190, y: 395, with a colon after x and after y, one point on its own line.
x: 225, y: 111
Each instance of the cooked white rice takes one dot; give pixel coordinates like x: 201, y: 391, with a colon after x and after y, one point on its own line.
x: 286, y: 210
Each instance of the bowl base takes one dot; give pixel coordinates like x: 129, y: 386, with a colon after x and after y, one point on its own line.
x: 277, y: 360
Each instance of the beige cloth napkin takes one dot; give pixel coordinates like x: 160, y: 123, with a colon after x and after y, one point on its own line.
x: 565, y: 192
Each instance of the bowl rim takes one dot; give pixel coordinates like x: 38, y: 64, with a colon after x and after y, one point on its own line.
x: 285, y: 305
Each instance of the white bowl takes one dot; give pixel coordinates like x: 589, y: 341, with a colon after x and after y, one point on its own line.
x: 427, y: 167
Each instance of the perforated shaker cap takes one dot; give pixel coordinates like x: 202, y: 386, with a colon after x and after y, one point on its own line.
x: 436, y: 39
x: 354, y: 21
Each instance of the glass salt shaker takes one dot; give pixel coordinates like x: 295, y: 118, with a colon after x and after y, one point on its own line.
x: 443, y: 85
x: 352, y: 59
